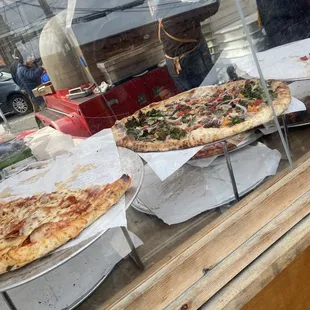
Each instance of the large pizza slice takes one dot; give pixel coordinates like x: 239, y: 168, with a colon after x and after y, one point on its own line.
x: 201, y: 116
x: 32, y: 227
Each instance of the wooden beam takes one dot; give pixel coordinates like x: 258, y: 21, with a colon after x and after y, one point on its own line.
x: 288, y: 290
x: 165, y: 282
x: 231, y: 266
x: 263, y: 270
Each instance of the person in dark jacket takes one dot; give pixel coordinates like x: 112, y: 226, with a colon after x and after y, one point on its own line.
x: 13, y: 67
x: 186, y: 50
x: 285, y: 21
x: 30, y: 79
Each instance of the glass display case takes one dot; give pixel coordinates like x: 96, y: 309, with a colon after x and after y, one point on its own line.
x: 154, y: 153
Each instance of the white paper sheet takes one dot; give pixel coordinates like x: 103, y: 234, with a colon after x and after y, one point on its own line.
x: 47, y: 143
x: 282, y: 62
x: 165, y: 164
x: 192, y: 190
x: 295, y: 106
x: 300, y: 89
x: 61, y: 287
x: 94, y: 161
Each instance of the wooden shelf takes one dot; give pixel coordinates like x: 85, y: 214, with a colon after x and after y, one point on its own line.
x: 202, y: 267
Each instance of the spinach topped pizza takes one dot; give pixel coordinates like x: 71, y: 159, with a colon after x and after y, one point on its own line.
x: 201, y: 116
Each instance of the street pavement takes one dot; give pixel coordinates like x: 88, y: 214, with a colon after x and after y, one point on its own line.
x: 21, y: 123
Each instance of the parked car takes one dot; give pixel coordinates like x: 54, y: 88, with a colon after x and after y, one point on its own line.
x: 12, y: 98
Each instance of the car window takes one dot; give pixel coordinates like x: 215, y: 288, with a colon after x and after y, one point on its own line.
x: 5, y: 76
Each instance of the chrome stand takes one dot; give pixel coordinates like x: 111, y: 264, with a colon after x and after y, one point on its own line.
x: 230, y: 170
x: 229, y: 166
x: 134, y: 254
x: 8, y: 301
x: 286, y: 134
x: 5, y: 120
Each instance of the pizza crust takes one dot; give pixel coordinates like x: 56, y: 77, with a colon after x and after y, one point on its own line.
x: 202, y: 136
x: 50, y: 236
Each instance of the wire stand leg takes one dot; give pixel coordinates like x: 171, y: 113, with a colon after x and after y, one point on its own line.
x: 230, y: 170
x: 286, y: 134
x: 5, y: 120
x: 8, y: 301
x: 134, y: 254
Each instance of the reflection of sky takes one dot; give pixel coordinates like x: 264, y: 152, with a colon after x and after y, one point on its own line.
x: 121, y: 21
x: 24, y: 14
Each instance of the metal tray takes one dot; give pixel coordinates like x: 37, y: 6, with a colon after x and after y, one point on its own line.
x: 132, y: 165
x: 250, y: 139
x: 141, y: 207
x: 68, y: 285
x: 300, y: 124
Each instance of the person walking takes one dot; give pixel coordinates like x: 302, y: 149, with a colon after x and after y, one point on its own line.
x: 29, y: 78
x: 14, y: 66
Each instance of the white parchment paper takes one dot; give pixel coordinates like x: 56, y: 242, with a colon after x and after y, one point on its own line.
x: 295, y: 106
x: 282, y: 62
x: 192, y: 190
x: 94, y: 161
x: 164, y: 164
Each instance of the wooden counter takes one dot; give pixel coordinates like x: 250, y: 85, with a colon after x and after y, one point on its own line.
x: 231, y: 260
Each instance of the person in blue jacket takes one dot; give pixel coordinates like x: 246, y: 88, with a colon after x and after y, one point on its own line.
x: 18, y: 58
x: 29, y: 77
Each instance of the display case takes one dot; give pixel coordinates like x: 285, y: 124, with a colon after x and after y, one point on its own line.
x: 169, y: 157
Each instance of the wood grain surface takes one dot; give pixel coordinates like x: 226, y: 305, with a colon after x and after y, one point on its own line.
x: 289, y: 290
x: 203, y: 265
x: 263, y: 285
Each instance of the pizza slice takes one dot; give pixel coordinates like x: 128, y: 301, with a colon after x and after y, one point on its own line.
x: 33, y: 227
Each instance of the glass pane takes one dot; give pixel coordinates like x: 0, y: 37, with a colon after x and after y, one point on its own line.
x: 166, y: 92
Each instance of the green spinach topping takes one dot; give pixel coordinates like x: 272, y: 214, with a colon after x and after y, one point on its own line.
x: 177, y: 133
x: 253, y: 90
x: 133, y: 123
x: 186, y: 118
x: 236, y: 120
x: 172, y: 132
x: 154, y: 113
x: 227, y: 98
x: 133, y: 132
